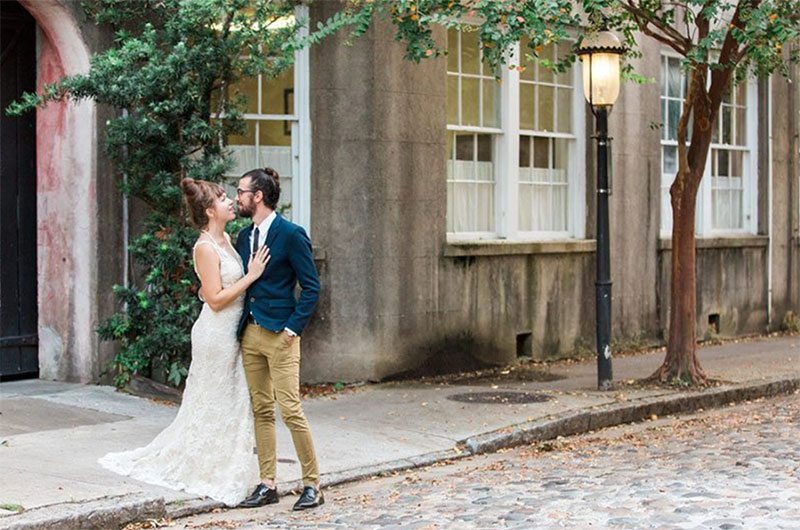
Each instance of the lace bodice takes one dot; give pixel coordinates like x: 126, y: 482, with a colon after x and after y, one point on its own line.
x: 231, y: 268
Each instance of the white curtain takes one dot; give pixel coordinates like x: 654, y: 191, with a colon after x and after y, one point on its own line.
x: 470, y: 196
x: 543, y: 200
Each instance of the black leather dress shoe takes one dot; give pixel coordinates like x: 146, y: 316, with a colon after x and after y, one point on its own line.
x: 310, y: 498
x: 261, y: 496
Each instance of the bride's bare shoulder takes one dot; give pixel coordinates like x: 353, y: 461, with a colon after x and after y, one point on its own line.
x: 204, y: 249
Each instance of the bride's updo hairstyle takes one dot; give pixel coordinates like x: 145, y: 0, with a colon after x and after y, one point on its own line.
x: 200, y: 196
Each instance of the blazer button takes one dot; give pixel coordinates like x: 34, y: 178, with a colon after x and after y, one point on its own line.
x: 252, y: 299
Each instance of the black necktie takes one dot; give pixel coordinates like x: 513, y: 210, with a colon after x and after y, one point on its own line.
x: 255, y: 240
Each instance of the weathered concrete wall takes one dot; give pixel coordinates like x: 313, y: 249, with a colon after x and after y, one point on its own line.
x: 398, y: 299
x: 785, y: 146
x: 78, y: 227
x: 377, y: 201
x: 635, y: 202
x: 731, y: 283
x: 393, y: 301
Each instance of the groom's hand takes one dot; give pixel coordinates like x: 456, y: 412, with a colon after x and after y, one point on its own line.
x: 289, y: 337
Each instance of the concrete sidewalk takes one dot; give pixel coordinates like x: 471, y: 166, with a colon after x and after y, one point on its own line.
x: 51, y: 434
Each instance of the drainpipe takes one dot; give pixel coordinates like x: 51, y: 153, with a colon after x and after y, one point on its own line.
x: 125, y: 223
x: 769, y: 202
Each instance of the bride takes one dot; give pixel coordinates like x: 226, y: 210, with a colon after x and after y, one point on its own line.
x: 208, y: 449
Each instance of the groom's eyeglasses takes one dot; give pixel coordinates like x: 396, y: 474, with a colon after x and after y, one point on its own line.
x: 240, y: 192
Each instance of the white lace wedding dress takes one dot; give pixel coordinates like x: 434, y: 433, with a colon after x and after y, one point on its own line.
x: 208, y: 449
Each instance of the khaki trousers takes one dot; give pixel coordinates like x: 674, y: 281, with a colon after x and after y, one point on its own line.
x: 272, y: 369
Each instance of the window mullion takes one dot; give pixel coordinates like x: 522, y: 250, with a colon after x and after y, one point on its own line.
x: 507, y: 145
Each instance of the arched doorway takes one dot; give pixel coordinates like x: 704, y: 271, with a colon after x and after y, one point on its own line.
x: 19, y: 336
x: 64, y: 214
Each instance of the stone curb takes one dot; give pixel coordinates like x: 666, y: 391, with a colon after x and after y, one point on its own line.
x: 105, y: 513
x: 602, y: 416
x: 115, y: 512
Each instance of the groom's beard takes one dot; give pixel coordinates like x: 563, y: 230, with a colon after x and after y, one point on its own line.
x: 244, y: 211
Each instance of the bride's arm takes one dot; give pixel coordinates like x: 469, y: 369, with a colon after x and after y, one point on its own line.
x: 207, y: 263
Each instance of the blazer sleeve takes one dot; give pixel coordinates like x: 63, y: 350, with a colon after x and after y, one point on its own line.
x: 302, y: 260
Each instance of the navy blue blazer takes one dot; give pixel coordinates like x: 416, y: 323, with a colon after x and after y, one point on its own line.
x: 271, y: 298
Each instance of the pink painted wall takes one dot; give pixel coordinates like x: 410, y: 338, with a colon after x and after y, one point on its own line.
x: 67, y: 206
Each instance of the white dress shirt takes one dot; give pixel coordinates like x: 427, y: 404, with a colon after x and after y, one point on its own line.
x: 263, y: 228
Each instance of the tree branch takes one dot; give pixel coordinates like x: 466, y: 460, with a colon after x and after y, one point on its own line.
x: 663, y: 32
x: 729, y: 55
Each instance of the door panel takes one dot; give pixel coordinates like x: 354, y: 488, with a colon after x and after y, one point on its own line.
x: 18, y: 288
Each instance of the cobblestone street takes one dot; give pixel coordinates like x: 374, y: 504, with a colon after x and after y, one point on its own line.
x: 737, y: 467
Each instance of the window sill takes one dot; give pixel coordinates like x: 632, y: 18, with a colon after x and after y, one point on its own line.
x: 734, y: 241
x: 505, y: 247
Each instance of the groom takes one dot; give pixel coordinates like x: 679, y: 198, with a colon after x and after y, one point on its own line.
x: 270, y: 329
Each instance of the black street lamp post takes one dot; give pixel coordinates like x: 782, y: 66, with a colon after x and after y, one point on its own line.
x: 601, y: 79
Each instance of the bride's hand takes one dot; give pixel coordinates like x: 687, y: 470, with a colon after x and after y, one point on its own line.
x: 258, y: 262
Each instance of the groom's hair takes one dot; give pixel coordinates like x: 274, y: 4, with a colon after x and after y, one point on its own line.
x: 268, y: 183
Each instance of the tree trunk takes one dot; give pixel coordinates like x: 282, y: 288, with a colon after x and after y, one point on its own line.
x: 681, y: 363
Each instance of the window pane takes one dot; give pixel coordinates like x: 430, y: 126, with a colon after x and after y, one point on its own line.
x: 560, y: 158
x: 664, y: 119
x: 727, y: 125
x: 470, y: 101
x: 741, y: 127
x: 248, y: 88
x: 542, y: 208
x: 275, y: 132
x: 545, y: 75
x: 243, y: 150
x: 484, y: 148
x: 278, y: 94
x: 470, y: 55
x: 559, y: 195
x: 463, y: 207
x: 541, y: 152
x: 723, y: 166
x: 529, y: 72
x: 737, y: 216
x: 564, y: 110
x: 564, y: 50
x: 450, y: 138
x: 526, y: 106
x: 526, y: 208
x: 491, y: 106
x: 248, y: 136
x: 674, y: 78
x: 452, y: 50
x: 736, y: 163
x: 525, y: 151
x: 452, y: 100
x: 741, y: 94
x: 545, y: 105
x: 670, y: 160
x: 465, y: 147
x: 727, y: 95
x: 485, y: 211
x: 674, y: 108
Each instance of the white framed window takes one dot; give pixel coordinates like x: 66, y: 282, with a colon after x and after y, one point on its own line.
x: 514, y: 168
x: 727, y: 198
x: 278, y: 132
x: 473, y: 128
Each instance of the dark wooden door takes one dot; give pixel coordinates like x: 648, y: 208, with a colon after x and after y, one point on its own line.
x: 18, y: 300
